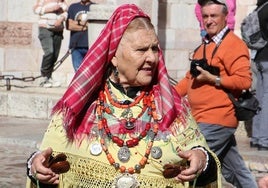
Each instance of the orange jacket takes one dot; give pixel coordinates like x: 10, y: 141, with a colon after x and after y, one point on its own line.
x: 209, y: 103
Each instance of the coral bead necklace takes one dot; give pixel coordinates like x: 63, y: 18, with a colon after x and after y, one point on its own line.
x: 127, y: 114
x: 117, y: 104
x: 123, y: 153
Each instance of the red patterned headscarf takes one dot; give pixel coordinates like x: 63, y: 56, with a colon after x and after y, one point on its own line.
x: 77, y: 104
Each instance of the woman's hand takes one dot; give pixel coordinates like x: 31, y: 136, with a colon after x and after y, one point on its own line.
x: 197, y: 162
x: 40, y: 170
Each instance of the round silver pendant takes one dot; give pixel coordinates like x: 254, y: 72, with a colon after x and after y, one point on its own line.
x: 156, y: 152
x: 126, y: 181
x: 123, y: 154
x: 95, y: 148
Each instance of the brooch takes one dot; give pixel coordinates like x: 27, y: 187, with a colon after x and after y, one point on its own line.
x: 126, y: 180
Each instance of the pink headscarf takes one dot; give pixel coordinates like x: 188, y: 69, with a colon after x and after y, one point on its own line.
x: 77, y: 104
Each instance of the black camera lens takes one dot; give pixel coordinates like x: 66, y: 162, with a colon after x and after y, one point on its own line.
x: 204, y: 65
x: 197, y: 62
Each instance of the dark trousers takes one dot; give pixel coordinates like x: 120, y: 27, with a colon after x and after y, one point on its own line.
x: 221, y: 141
x: 259, y: 127
x: 51, y: 43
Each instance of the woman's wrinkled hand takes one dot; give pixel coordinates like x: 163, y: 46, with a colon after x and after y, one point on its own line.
x: 197, y: 162
x: 40, y: 169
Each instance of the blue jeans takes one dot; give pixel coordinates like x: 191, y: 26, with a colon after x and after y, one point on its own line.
x: 51, y: 43
x: 78, y: 55
x: 259, y: 126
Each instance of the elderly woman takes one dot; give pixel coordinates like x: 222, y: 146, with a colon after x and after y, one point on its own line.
x: 120, y: 122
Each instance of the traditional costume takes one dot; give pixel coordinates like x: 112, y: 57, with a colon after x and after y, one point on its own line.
x: 119, y: 139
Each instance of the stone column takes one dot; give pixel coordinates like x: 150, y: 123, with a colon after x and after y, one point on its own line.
x: 99, y: 14
x: 97, y: 17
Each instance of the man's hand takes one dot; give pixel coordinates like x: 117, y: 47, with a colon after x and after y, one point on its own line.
x: 205, y: 76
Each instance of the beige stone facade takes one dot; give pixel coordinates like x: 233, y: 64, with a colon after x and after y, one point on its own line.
x: 175, y: 21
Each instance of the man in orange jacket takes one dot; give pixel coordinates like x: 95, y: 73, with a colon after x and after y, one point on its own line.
x: 226, y: 65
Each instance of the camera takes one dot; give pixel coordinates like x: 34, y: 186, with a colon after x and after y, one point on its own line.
x: 204, y: 65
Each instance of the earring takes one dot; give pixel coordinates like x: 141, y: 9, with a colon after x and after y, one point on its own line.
x: 116, y: 73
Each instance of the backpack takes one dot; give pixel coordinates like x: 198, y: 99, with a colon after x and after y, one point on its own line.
x: 250, y: 30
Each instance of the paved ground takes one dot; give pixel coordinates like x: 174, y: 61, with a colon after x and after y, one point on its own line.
x: 20, y: 137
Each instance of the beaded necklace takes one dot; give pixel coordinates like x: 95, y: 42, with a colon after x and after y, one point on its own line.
x: 127, y: 114
x: 150, y: 131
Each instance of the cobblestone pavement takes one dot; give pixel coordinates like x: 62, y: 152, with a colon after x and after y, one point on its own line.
x: 20, y: 137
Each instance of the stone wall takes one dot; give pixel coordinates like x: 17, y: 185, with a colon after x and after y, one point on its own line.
x: 21, y: 53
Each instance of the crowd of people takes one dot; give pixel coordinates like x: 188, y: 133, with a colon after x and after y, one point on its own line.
x: 54, y: 17
x: 121, y: 123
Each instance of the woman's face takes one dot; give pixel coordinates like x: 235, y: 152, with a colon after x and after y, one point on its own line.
x: 136, y: 58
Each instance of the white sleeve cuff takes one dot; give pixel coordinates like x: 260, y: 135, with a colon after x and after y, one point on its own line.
x: 29, y: 162
x: 207, y: 156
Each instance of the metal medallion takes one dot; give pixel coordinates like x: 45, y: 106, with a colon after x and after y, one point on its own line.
x: 151, y: 134
x: 126, y: 180
x: 123, y: 154
x: 156, y: 152
x: 129, y: 125
x: 95, y: 148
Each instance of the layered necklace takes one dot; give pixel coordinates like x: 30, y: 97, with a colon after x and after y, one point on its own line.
x: 150, y: 129
x: 127, y: 117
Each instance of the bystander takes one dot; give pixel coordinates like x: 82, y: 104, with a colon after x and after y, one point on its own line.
x: 226, y: 66
x: 77, y: 23
x: 52, y: 14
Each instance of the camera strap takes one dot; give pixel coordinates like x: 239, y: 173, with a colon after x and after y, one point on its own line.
x: 217, y: 46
